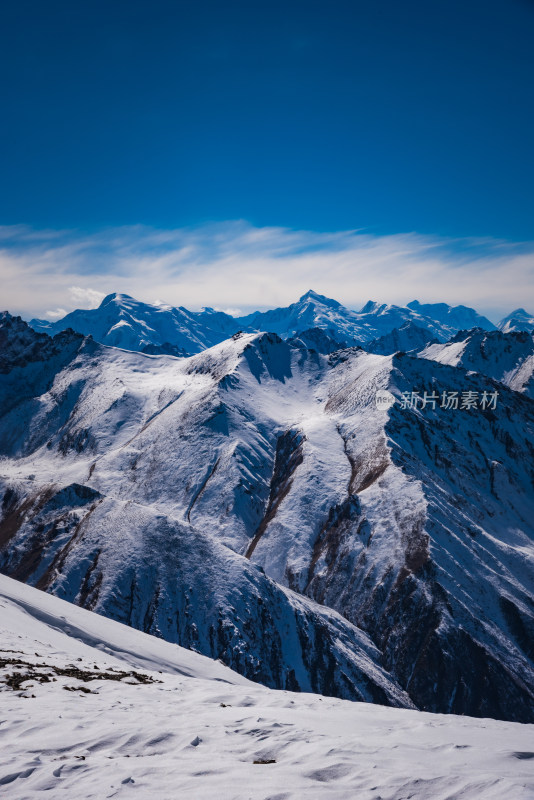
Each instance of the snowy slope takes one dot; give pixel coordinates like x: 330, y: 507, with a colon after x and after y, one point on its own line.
x: 518, y: 320
x: 194, y: 475
x: 504, y: 356
x: 157, y: 721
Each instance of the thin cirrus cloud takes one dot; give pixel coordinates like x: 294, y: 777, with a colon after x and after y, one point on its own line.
x: 237, y: 266
x: 58, y: 313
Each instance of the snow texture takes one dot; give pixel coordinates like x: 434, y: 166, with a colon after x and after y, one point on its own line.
x: 178, y: 725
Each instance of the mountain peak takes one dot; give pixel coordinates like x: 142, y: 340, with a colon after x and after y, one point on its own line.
x: 371, y: 307
x: 518, y: 320
x: 319, y: 298
x: 115, y: 297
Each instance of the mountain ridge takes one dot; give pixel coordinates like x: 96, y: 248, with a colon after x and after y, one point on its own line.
x: 122, y: 321
x: 277, y: 453
x: 504, y: 356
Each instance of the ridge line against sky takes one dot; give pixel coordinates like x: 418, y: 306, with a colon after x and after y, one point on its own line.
x: 237, y: 267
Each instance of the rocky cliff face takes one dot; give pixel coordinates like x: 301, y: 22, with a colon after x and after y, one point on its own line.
x: 21, y: 346
x: 436, y: 560
x: 152, y: 572
x: 254, y: 503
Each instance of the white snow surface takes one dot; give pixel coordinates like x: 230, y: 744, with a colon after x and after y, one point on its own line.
x: 197, y: 731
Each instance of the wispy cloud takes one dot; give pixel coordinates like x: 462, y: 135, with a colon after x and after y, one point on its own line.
x: 234, y: 264
x: 88, y: 298
x: 57, y: 314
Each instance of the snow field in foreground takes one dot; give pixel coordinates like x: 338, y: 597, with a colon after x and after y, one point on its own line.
x: 196, y: 731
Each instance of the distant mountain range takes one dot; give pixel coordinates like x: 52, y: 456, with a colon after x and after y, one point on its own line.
x: 253, y: 503
x: 122, y: 321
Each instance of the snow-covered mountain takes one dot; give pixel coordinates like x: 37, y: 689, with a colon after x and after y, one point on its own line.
x: 506, y: 357
x: 439, y: 319
x: 252, y: 502
x: 454, y: 318
x: 358, y: 327
x: 408, y: 338
x: 518, y: 320
x: 93, y: 709
x: 312, y: 310
x: 121, y: 321
x: 316, y: 339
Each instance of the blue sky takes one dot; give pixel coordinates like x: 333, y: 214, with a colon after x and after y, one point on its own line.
x: 129, y: 124
x: 384, y: 115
